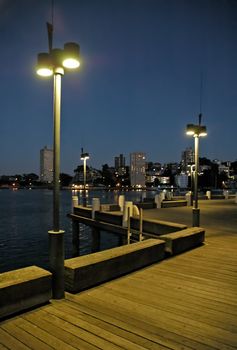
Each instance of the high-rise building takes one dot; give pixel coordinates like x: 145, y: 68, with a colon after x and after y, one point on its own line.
x: 119, y: 162
x: 119, y: 165
x: 46, y: 165
x: 187, y: 158
x: 137, y: 169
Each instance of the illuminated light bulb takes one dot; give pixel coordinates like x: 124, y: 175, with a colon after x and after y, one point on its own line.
x: 71, y: 63
x: 44, y: 72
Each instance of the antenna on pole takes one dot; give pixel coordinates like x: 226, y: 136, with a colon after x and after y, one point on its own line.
x: 201, y: 91
x: 200, y: 102
x: 200, y: 119
x: 50, y: 27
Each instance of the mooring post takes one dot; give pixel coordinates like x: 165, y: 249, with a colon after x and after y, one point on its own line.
x: 74, y: 201
x: 129, y: 227
x: 95, y: 246
x: 121, y: 202
x: 95, y: 206
x: 140, y: 224
x: 75, y: 238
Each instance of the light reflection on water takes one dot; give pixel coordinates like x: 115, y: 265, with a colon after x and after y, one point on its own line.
x: 26, y: 217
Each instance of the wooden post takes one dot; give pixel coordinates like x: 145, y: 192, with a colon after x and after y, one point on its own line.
x: 140, y: 224
x: 75, y: 238
x: 129, y: 227
x: 95, y: 246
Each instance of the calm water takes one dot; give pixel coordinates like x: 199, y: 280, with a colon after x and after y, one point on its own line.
x: 26, y: 217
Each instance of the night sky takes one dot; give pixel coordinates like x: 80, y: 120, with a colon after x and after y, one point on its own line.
x: 142, y: 63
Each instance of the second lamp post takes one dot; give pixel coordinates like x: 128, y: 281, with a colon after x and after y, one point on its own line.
x: 84, y: 157
x: 196, y: 131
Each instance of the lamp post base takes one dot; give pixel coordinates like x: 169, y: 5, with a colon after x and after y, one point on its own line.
x: 56, y: 262
x: 196, y: 217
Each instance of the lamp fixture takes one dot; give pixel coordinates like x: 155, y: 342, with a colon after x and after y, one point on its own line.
x: 58, y: 58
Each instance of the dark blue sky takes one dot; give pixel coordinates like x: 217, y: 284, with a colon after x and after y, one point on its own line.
x: 137, y: 87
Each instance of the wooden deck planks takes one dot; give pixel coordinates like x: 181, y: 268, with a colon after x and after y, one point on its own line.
x: 177, y: 324
x: 66, y: 332
x: 167, y: 302
x: 110, y: 333
x: 23, y: 336
x: 135, y: 325
x: 6, y: 339
x: 97, y: 335
x: 185, y: 302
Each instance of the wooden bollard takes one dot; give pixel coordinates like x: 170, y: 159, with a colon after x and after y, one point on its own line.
x: 140, y: 224
x: 75, y: 238
x: 95, y: 247
x: 129, y: 227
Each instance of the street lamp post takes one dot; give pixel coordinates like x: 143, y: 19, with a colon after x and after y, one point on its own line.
x: 54, y: 63
x: 196, y: 131
x: 84, y: 157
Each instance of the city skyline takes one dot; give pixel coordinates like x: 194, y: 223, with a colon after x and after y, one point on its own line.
x: 138, y: 85
x: 113, y: 161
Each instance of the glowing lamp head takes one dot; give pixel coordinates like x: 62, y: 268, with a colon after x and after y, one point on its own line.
x: 196, y: 130
x: 85, y: 156
x: 190, y: 129
x: 203, y: 131
x: 71, y: 56
x: 44, y: 65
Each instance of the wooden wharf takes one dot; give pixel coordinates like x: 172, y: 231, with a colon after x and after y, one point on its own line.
x: 188, y: 301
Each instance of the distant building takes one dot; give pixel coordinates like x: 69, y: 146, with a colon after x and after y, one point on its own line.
x: 119, y: 165
x: 187, y: 158
x: 137, y: 169
x: 119, y: 162
x: 46, y: 165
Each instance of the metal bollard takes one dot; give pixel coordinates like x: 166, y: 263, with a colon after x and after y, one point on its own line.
x: 74, y: 201
x: 121, y: 201
x: 95, y: 206
x: 128, y: 204
x: 208, y: 194
x: 140, y: 225
x: 129, y: 227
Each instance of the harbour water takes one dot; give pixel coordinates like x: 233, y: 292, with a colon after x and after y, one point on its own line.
x: 26, y: 217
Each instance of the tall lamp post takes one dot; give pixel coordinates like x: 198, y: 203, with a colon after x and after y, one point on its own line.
x: 84, y: 157
x: 196, y: 131
x: 55, y: 63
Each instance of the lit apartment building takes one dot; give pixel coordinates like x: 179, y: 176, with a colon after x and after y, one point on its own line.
x: 119, y: 165
x: 137, y: 169
x: 46, y: 165
x: 187, y: 158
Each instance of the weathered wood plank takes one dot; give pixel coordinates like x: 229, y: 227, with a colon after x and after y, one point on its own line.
x: 85, y: 334
x: 64, y: 330
x: 119, y: 328
x: 108, y: 339
x: 24, y: 337
x: 167, y: 304
x: 10, y: 341
x: 189, y: 290
x: 48, y: 338
x: 196, y: 289
x: 197, y: 302
x: 193, y: 328
x: 137, y: 326
x: 165, y: 336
